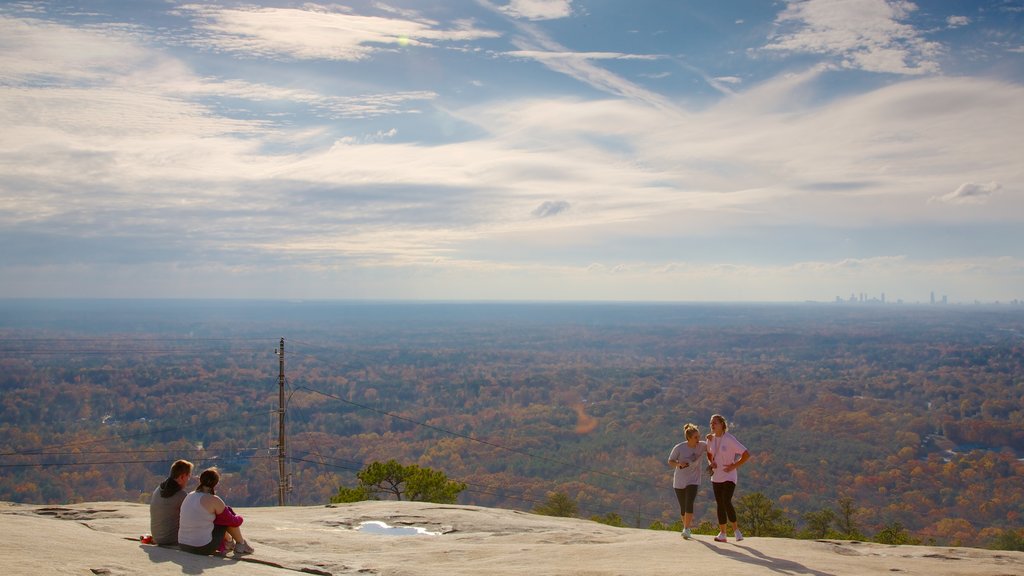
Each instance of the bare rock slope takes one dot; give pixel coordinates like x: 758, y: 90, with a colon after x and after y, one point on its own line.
x: 103, y: 538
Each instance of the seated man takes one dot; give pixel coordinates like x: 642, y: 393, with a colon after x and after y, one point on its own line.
x: 165, y: 504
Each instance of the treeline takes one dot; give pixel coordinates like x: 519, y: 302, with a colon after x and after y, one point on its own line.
x: 915, y: 416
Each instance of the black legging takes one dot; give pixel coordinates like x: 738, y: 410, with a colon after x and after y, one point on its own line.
x: 723, y: 498
x: 686, y: 496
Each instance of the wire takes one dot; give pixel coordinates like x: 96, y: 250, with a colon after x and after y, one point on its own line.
x: 130, y: 436
x: 107, y: 462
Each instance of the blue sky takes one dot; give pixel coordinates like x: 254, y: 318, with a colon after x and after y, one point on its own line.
x: 669, y: 150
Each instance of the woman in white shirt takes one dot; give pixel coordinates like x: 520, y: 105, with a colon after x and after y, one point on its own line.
x: 206, y: 521
x: 725, y: 455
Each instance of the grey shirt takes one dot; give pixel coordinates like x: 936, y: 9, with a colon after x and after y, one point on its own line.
x: 696, y: 458
x: 164, y: 516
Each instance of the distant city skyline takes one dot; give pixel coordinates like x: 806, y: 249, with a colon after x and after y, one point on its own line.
x: 933, y: 299
x: 539, y: 150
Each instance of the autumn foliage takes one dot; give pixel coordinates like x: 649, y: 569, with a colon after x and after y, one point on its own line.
x: 913, y: 415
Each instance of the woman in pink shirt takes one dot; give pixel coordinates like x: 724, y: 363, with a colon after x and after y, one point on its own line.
x: 725, y: 456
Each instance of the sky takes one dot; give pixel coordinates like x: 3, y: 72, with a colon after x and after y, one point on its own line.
x: 553, y: 150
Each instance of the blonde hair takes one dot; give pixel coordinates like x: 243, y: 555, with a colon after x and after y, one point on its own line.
x: 720, y: 418
x: 691, y: 429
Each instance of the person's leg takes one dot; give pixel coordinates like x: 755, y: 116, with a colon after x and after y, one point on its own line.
x: 211, y: 547
x: 241, y: 546
x: 720, y: 504
x: 728, y: 489
x: 690, y: 496
x: 681, y: 498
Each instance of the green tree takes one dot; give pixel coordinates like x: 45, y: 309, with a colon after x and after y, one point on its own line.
x: 659, y: 525
x: 846, y: 525
x: 611, y: 519
x: 758, y: 516
x: 427, y: 485
x: 402, y: 483
x: 895, y: 533
x: 819, y: 524
x: 557, y: 504
x: 705, y: 527
x: 1009, y: 540
x: 349, y: 495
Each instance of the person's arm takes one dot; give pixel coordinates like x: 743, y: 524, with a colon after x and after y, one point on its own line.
x: 672, y: 460
x: 213, y: 504
x: 743, y: 458
x: 227, y: 517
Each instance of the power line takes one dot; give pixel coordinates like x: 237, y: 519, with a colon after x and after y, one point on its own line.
x: 132, y: 436
x: 108, y: 462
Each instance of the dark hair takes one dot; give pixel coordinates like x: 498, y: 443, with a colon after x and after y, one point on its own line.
x: 208, y: 480
x: 181, y: 467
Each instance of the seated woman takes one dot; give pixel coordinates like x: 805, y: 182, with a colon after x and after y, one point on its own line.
x: 207, y: 524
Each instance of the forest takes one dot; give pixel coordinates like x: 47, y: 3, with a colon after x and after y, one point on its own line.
x: 915, y: 414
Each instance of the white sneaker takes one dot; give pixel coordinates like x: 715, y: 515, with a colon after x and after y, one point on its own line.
x: 686, y: 533
x: 721, y: 537
x: 243, y: 548
x: 739, y: 536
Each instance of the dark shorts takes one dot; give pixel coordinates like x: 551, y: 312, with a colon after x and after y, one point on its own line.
x: 211, y: 548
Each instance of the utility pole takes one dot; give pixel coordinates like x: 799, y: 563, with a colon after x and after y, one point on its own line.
x: 282, y: 484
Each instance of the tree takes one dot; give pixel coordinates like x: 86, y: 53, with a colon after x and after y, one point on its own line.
x: 349, y: 495
x: 845, y: 523
x: 557, y: 504
x: 426, y: 485
x: 758, y: 516
x: 895, y: 533
x: 401, y: 482
x: 611, y: 519
x: 1009, y: 539
x: 819, y: 524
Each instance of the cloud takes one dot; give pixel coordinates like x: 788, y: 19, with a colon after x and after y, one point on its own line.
x: 329, y: 106
x: 957, y: 21
x: 538, y: 9
x: 860, y: 34
x: 549, y: 208
x: 579, y: 66
x: 970, y: 193
x: 543, y: 55
x: 317, y: 33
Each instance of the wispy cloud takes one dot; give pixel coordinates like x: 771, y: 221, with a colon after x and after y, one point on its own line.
x: 862, y: 34
x: 318, y: 33
x: 550, y: 208
x: 538, y: 9
x: 544, y: 55
x: 957, y: 21
x: 970, y: 193
x: 125, y: 148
